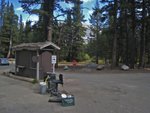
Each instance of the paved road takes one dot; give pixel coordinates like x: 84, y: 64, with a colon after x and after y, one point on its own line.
x: 94, y: 93
x: 7, y: 67
x: 112, y: 93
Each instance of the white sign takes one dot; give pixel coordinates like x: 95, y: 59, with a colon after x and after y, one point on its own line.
x: 53, y: 59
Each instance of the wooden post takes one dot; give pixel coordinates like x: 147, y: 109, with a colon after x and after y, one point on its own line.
x: 37, y: 67
x: 15, y: 62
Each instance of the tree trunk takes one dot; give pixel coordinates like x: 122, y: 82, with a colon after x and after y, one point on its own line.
x: 114, y: 49
x: 147, y: 38
x: 97, y: 43
x: 126, y: 37
x: 132, y: 42
x: 48, y: 18
x: 148, y: 61
x: 10, y: 44
x: 142, y: 47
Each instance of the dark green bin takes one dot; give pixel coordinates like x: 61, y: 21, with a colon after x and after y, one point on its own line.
x: 69, y: 101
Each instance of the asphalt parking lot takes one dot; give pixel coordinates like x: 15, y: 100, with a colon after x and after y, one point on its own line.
x: 94, y: 93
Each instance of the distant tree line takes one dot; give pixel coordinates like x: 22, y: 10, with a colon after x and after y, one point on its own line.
x: 9, y: 28
x: 120, y: 30
x: 66, y: 33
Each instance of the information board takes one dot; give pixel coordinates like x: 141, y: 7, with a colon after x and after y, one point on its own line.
x: 54, y: 59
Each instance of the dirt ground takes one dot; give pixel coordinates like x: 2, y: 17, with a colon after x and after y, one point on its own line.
x: 92, y: 69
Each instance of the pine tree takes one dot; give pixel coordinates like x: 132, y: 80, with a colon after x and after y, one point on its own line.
x: 21, y: 31
x: 96, y: 21
x: 78, y: 30
x: 67, y: 37
x: 9, y: 30
x: 2, y: 8
x: 46, y: 12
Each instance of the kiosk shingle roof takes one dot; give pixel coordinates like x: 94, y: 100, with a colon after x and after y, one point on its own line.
x: 35, y: 46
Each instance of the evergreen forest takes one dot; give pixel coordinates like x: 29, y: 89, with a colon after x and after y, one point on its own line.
x: 119, y: 30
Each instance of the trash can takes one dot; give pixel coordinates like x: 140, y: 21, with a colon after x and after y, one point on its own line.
x: 43, y: 87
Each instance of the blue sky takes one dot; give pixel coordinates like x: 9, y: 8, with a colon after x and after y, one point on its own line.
x: 87, y: 4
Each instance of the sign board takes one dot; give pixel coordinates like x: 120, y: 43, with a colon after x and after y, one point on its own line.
x: 53, y: 59
x: 35, y: 59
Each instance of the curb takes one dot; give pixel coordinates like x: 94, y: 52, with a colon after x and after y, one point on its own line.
x: 7, y: 74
